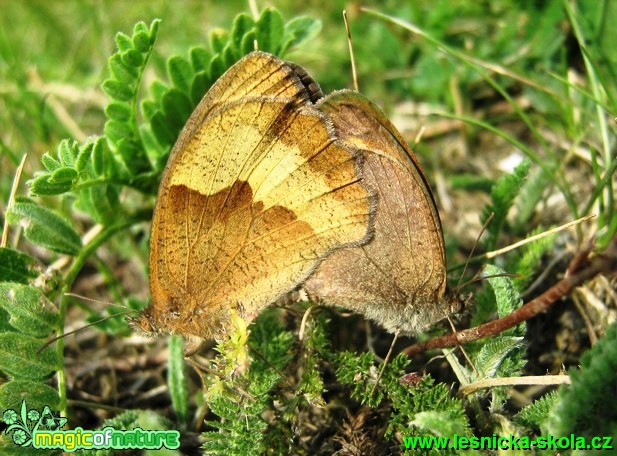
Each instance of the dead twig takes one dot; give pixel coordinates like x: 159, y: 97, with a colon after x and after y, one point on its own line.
x: 581, y: 268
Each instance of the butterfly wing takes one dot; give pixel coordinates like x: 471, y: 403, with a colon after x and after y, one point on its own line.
x: 398, y: 278
x: 256, y: 192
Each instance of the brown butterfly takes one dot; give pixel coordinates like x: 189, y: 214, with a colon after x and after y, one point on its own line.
x: 398, y: 278
x: 256, y: 192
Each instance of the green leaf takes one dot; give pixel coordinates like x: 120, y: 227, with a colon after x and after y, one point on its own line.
x: 177, y: 381
x: 587, y: 406
x: 217, y: 67
x: 248, y: 42
x: 270, y: 30
x: 508, y: 297
x: 537, y: 412
x: 149, y: 108
x: 132, y: 58
x: 158, y: 90
x: 41, y: 185
x: 201, y: 84
x: 164, y: 134
x: 177, y: 108
x: 503, y: 194
x: 117, y: 90
x: 243, y: 24
x: 36, y: 394
x: 83, y: 157
x: 101, y: 156
x: 218, y: 40
x: 151, y: 145
x: 438, y: 422
x: 154, y: 30
x: 121, y: 72
x: 29, y: 310
x: 116, y: 131
x: 67, y: 151
x: 200, y: 58
x: 492, y: 354
x: 228, y: 57
x: 49, y: 162
x: 101, y: 202
x: 118, y: 111
x: 180, y: 72
x: 141, y: 41
x: 19, y: 357
x: 63, y: 176
x: 140, y: 27
x: 16, y: 266
x: 45, y: 227
x: 298, y: 30
x: 123, y: 42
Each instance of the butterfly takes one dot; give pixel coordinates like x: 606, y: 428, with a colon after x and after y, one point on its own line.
x: 256, y: 193
x: 398, y: 278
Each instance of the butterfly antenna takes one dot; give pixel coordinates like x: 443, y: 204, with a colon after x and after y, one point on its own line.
x: 351, y: 56
x: 54, y: 339
x: 385, y: 363
x: 473, y: 249
x: 16, y: 179
x: 98, y: 301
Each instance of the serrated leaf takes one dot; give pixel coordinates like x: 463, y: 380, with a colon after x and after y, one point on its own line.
x: 177, y: 108
x: 123, y: 42
x: 180, y: 73
x: 141, y: 41
x: 492, y: 354
x: 83, y: 157
x: 49, y: 162
x: 120, y: 71
x: 118, y: 111
x: 200, y: 58
x: 29, y: 312
x: 16, y: 266
x: 508, y: 298
x: 41, y: 186
x: 19, y: 357
x: 36, y: 394
x: 243, y: 24
x: 270, y: 30
x: 117, y: 90
x: 298, y: 30
x: 503, y: 193
x: 45, y: 227
x: 132, y: 58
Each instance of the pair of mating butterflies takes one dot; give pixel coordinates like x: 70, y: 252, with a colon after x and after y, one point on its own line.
x: 270, y: 187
